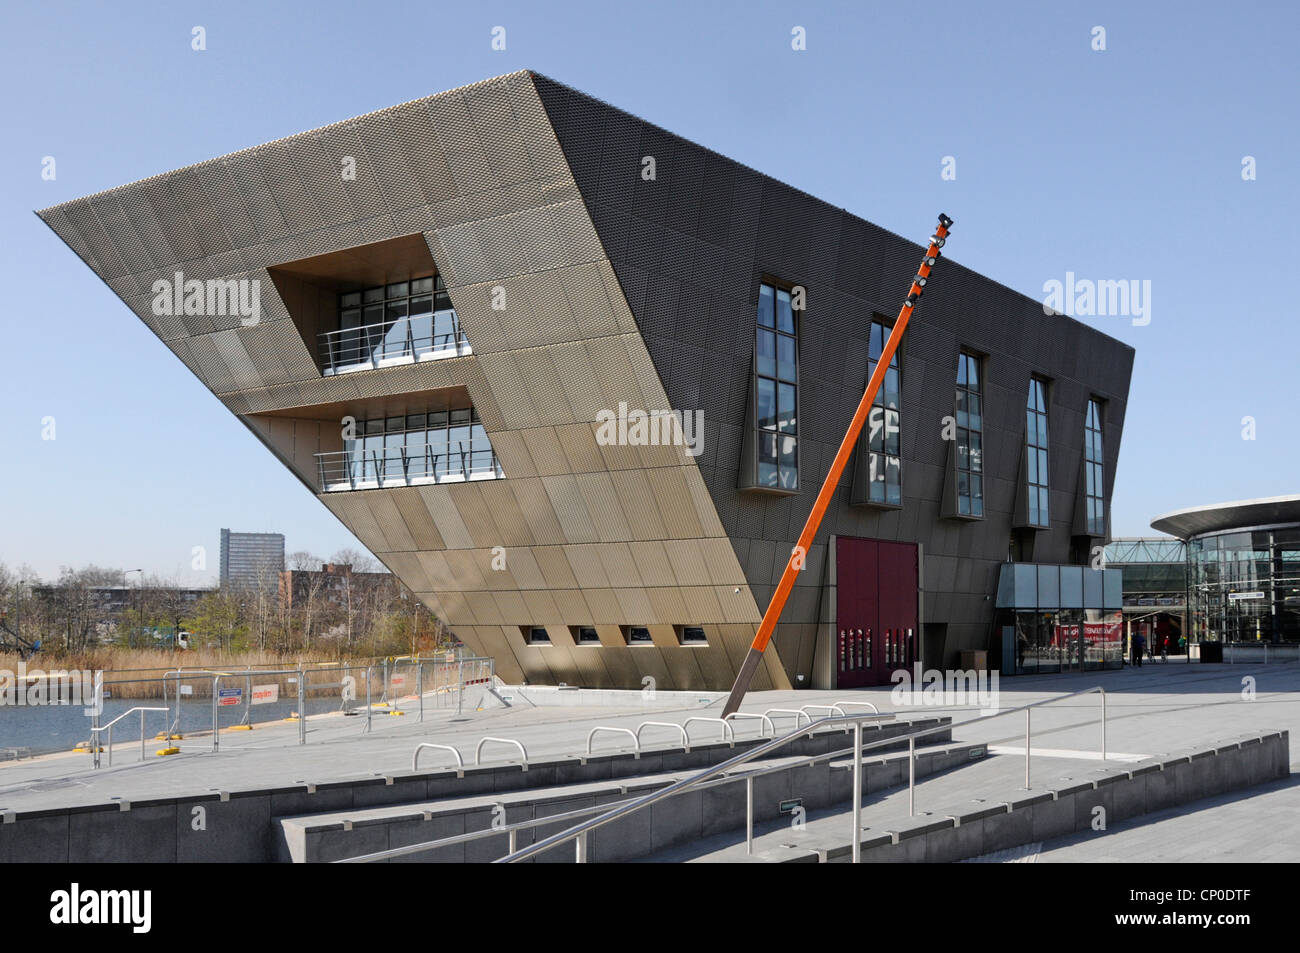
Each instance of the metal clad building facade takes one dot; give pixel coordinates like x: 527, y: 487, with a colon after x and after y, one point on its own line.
x: 501, y: 277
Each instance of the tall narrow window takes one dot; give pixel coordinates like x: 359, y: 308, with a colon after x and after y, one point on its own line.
x: 970, y: 437
x: 1036, y: 439
x: 885, y: 456
x: 776, y: 382
x: 1094, y: 466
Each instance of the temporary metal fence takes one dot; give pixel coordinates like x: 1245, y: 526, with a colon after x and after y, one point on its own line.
x: 241, y: 698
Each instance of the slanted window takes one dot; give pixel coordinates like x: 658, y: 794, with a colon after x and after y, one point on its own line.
x: 1094, y: 463
x: 885, y: 465
x: 536, y: 635
x: 776, y: 384
x: 1036, y: 446
x: 586, y: 635
x: 970, y: 436
x: 693, y: 635
x: 638, y: 635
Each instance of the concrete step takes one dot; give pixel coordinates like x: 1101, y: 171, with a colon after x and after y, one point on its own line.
x: 676, y: 821
x: 986, y: 809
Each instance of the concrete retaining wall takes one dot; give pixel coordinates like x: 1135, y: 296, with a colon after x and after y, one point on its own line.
x: 670, y: 823
x: 1153, y: 786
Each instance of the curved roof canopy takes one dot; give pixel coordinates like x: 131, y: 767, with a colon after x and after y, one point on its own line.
x: 1217, y: 517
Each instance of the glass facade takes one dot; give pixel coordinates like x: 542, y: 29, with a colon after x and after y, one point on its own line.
x: 393, y: 324
x: 883, y: 425
x: 776, y: 384
x: 1244, y: 586
x: 1094, y: 470
x: 1059, y: 618
x: 447, y: 446
x: 1036, y: 446
x: 970, y: 437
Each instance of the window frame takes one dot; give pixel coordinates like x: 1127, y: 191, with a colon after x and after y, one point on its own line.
x: 974, y: 468
x: 1094, y: 502
x: 1038, y: 511
x: 885, y: 329
x: 779, y: 432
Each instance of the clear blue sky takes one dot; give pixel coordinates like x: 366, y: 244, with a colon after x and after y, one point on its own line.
x: 1118, y: 164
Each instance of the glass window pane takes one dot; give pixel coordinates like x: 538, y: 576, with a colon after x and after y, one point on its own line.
x: 891, y: 388
x: 399, y: 290
x: 789, y: 469
x: 767, y: 353
x: 373, y: 295
x: 786, y: 408
x: 973, y: 373
x: 976, y: 452
x: 785, y: 358
x: 766, y: 306
x: 961, y: 370
x: 877, y: 345
x: 422, y: 324
x: 1033, y: 466
x: 767, y: 468
x: 421, y: 286
x: 766, y: 404
x: 784, y: 316
x: 892, y: 432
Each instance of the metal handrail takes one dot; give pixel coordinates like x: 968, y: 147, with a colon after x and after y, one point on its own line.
x: 415, y: 757
x: 797, y: 712
x: 686, y: 739
x: 840, y: 705
x: 370, y: 346
x: 727, y: 734
x: 763, y: 729
x: 340, y: 466
x: 626, y: 731
x: 580, y: 831
x: 551, y: 819
x: 478, y: 752
x: 96, y: 729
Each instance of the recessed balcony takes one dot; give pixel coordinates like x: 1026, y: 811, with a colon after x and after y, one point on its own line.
x: 411, y: 450
x: 405, y: 340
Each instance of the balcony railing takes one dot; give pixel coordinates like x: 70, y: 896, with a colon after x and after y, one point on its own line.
x: 425, y: 337
x: 404, y: 466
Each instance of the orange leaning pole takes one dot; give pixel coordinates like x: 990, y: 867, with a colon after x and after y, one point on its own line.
x: 798, y: 556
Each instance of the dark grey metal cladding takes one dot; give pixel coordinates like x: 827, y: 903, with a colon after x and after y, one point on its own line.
x: 689, y: 249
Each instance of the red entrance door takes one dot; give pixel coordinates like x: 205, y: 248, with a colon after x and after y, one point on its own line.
x: 876, y: 610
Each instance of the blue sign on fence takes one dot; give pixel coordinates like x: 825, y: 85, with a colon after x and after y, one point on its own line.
x: 229, y: 696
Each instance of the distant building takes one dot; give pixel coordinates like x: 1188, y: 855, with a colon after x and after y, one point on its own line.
x: 1155, y: 588
x: 251, y: 559
x: 1243, y: 569
x: 331, y: 583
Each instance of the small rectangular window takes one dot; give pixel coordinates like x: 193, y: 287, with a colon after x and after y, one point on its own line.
x: 537, y: 635
x: 638, y: 635
x: 693, y: 635
x: 586, y: 635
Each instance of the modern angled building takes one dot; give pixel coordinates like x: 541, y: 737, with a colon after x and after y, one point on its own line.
x: 251, y: 560
x: 576, y: 381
